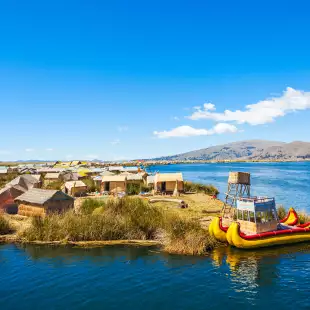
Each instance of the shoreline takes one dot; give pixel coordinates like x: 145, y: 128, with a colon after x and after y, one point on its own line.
x: 11, y: 239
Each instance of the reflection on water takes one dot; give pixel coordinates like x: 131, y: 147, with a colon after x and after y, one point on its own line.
x: 144, y: 278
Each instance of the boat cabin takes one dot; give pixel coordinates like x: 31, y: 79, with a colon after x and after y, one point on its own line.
x: 256, y: 215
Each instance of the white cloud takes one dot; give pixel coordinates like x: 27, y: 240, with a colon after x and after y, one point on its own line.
x: 175, y: 118
x: 122, y: 128
x: 115, y: 142
x: 262, y: 112
x: 49, y: 149
x: 29, y: 150
x: 188, y: 131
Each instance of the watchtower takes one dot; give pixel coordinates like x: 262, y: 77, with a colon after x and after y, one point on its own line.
x: 239, y: 185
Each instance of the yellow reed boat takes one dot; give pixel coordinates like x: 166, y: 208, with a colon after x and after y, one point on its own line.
x: 257, y: 225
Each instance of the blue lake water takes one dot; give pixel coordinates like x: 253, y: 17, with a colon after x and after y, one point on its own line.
x: 42, y: 277
x: 289, y: 183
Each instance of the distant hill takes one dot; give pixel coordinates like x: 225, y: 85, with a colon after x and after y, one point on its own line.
x: 251, y: 150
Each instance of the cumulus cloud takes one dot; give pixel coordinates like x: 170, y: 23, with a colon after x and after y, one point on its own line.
x: 262, y: 112
x: 29, y: 150
x: 188, y: 131
x: 115, y: 142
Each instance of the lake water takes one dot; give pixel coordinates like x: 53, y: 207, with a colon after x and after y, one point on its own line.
x: 42, y: 277
x: 289, y: 183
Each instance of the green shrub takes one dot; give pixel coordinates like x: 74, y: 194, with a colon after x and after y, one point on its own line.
x: 56, y: 185
x: 91, y: 185
x: 4, y: 179
x: 89, y: 205
x: 282, y: 212
x: 133, y: 189
x: 200, y: 188
x: 303, y: 217
x: 5, y: 227
x: 145, y: 188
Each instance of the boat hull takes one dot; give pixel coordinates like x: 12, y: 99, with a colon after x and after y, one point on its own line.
x: 217, y: 230
x: 279, y: 237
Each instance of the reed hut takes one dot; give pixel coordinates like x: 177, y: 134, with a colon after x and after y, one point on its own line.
x: 168, y: 183
x: 40, y: 202
x: 75, y: 188
x: 51, y: 177
x: 134, y: 179
x: 110, y: 183
x: 27, y: 181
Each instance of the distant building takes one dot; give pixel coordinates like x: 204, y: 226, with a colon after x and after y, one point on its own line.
x: 15, y: 188
x: 75, y: 188
x: 51, y: 177
x: 40, y: 202
x: 113, y: 183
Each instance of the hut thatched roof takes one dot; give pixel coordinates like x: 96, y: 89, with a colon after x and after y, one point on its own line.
x: 168, y: 177
x: 52, y: 176
x: 26, y: 181
x: 41, y: 196
x: 114, y: 178
x: 134, y: 177
x: 75, y: 184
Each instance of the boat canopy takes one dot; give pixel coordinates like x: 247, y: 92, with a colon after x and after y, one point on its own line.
x: 256, y: 204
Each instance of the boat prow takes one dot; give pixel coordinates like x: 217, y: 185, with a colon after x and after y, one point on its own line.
x: 217, y: 230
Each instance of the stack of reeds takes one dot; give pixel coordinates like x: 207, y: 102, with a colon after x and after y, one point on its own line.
x: 239, y: 178
x: 28, y: 210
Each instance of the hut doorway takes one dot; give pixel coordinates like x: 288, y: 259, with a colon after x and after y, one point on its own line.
x: 107, y: 186
x: 163, y: 186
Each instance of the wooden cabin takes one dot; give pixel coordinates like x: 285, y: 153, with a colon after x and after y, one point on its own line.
x: 168, y: 182
x: 75, y: 188
x: 40, y: 202
x: 113, y: 183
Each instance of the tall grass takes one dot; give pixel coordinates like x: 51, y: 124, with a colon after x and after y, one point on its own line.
x: 89, y: 205
x: 6, y: 178
x: 5, y: 227
x: 123, y: 219
x: 133, y: 189
x: 200, y: 188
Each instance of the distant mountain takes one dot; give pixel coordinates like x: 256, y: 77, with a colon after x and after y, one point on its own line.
x: 251, y: 150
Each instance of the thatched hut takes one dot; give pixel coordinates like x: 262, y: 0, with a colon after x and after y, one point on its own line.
x: 75, y: 188
x: 109, y: 183
x: 168, y: 182
x: 51, y: 177
x: 134, y: 178
x: 40, y: 202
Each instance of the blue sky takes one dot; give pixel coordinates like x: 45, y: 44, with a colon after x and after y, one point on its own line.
x: 128, y: 79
